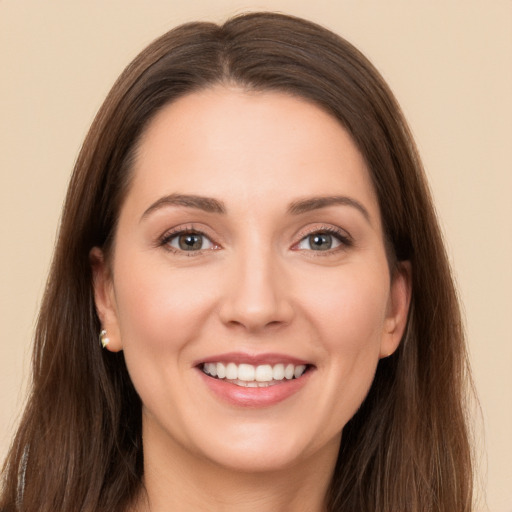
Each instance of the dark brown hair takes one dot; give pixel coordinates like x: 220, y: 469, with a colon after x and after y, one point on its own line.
x: 79, y: 444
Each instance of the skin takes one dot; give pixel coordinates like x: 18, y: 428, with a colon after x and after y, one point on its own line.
x: 257, y: 286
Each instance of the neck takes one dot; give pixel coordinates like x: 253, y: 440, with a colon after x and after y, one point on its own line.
x: 176, y: 480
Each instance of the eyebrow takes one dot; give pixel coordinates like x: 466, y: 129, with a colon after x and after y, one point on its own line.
x: 206, y: 204
x: 315, y: 203
x: 210, y: 205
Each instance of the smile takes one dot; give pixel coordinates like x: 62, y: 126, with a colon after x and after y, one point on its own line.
x: 248, y: 375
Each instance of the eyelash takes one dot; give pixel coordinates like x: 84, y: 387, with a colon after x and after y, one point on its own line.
x: 168, y: 236
x: 341, y: 236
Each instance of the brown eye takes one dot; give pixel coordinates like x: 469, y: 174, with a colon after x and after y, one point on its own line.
x: 190, y: 242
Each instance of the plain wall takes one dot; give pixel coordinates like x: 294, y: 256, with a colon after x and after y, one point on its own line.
x: 450, y: 66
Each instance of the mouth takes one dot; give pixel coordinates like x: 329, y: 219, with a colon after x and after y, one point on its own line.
x: 254, y: 376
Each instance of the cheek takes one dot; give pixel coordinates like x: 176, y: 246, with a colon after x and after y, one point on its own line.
x: 161, y: 315
x: 349, y: 319
x: 159, y: 309
x: 349, y: 309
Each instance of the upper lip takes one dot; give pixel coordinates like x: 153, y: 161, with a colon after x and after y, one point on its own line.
x: 253, y: 359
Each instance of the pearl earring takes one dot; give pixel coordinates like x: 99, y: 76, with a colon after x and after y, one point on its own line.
x: 104, y: 341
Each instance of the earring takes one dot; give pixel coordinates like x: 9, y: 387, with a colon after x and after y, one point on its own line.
x: 104, y: 341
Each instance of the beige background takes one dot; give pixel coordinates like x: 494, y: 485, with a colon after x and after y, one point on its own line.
x: 450, y: 65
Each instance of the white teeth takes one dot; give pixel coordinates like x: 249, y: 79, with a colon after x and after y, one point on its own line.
x: 264, y: 373
x: 246, y: 372
x: 299, y: 370
x: 221, y: 370
x: 253, y: 384
x: 211, y: 368
x: 289, y: 371
x: 231, y: 371
x: 278, y: 372
x: 254, y: 376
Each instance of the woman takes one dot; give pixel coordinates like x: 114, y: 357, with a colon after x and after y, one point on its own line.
x: 249, y: 231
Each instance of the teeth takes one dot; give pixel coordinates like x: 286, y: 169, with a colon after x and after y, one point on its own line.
x: 211, y: 368
x: 221, y: 370
x: 299, y: 370
x: 246, y: 372
x: 278, y: 372
x: 253, y: 384
x: 249, y: 375
x: 264, y: 373
x: 289, y: 371
x: 231, y: 371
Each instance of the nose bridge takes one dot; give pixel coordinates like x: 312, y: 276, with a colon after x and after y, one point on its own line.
x: 256, y: 295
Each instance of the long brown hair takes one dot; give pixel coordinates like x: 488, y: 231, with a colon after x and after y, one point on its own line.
x: 79, y: 444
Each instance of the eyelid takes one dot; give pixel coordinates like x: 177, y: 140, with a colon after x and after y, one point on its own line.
x: 344, y: 238
x: 340, y: 234
x: 167, y: 236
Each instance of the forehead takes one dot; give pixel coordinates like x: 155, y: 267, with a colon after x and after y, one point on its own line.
x: 248, y: 146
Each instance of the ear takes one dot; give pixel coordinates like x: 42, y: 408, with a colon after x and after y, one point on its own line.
x: 398, y: 308
x: 104, y: 298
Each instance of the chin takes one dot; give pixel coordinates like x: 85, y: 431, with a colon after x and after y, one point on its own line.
x: 265, y: 451
x: 256, y: 461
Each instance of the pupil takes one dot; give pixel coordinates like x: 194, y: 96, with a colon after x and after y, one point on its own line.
x: 321, y: 241
x: 190, y: 242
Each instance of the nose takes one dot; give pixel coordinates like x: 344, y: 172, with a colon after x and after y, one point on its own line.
x: 257, y: 294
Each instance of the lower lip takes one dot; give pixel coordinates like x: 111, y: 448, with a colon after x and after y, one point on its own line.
x: 254, y: 397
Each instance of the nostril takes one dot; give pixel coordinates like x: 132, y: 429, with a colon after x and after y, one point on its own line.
x: 253, y: 317
x: 253, y: 324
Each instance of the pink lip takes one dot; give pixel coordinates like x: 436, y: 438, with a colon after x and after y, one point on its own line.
x: 254, y: 359
x: 240, y: 396
x: 253, y: 397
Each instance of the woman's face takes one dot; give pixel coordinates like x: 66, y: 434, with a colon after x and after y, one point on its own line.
x: 249, y: 247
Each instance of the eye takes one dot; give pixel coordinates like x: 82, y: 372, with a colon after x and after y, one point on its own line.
x: 322, y: 241
x: 189, y: 241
